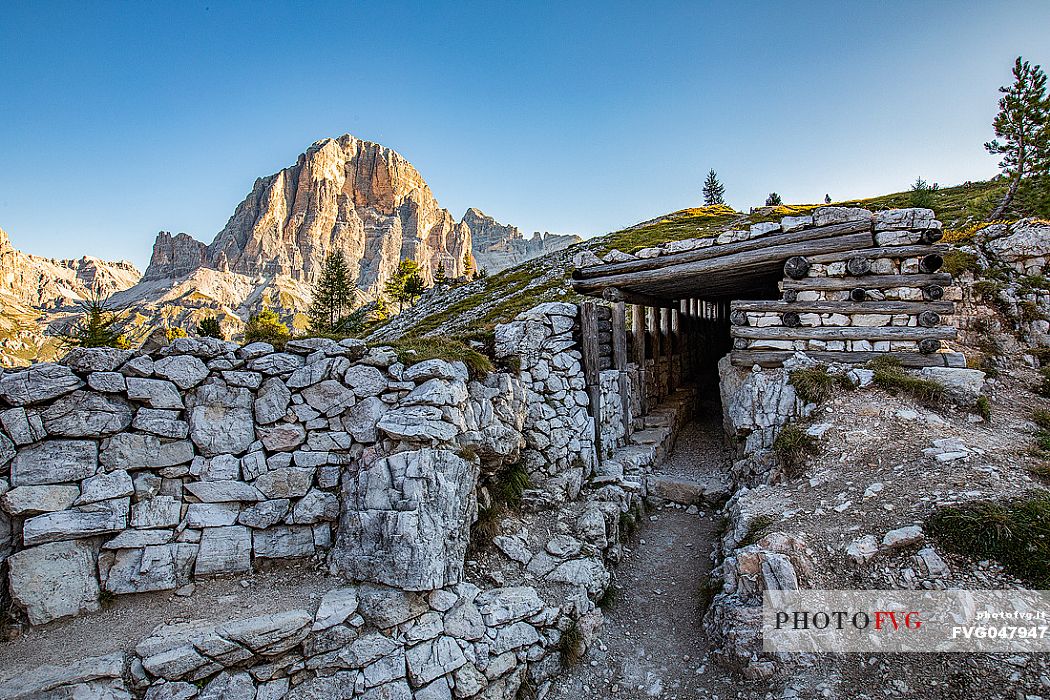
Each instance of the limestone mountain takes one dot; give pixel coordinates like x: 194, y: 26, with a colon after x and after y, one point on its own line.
x: 344, y: 194
x: 499, y: 246
x: 35, y: 291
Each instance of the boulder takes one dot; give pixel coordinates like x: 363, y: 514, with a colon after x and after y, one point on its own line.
x: 437, y: 392
x: 270, y: 635
x: 965, y: 385
x: 135, y: 451
x: 406, y: 519
x: 161, y: 422
x: 54, y: 462
x: 224, y: 550
x: 336, y: 606
x: 890, y: 219
x: 221, y: 419
x: 86, y: 414
x: 86, y: 360
x: 271, y: 404
x: 31, y: 500
x: 140, y: 570
x: 42, y: 381
x: 156, y: 393
x: 283, y: 542
x: 185, y: 371
x: 54, y: 580
x: 365, y: 381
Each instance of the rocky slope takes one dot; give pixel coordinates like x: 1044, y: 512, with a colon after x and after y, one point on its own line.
x: 499, y: 246
x: 35, y: 291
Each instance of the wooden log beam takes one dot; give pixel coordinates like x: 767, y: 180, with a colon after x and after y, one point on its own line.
x: 831, y: 284
x: 845, y: 307
x: 902, y: 251
x: 615, y: 294
x: 775, y: 358
x: 717, y: 276
x: 845, y: 333
x: 592, y: 367
x: 716, y: 251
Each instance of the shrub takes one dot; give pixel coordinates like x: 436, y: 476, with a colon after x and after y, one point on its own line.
x: 756, y: 528
x: 791, y: 447
x: 1041, y: 417
x: 709, y: 588
x: 1016, y: 533
x: 509, y: 485
x: 266, y: 327
x: 957, y: 262
x: 890, y: 376
x: 210, y: 328
x: 921, y: 194
x: 571, y: 645
x: 413, y: 350
x: 984, y: 407
x: 1043, y: 388
x: 817, y: 384
x: 96, y: 327
x: 174, y: 333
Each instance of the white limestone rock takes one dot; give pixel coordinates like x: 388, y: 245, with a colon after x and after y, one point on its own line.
x: 365, y: 381
x: 336, y: 606
x: 220, y: 419
x: 156, y: 393
x: 224, y: 550
x: 185, y: 371
x: 316, y: 506
x: 795, y: 223
x: 137, y: 451
x: 42, y: 381
x: 903, y: 536
x: 499, y: 606
x: 86, y: 360
x: 264, y: 514
x: 276, y: 363
x: 110, y: 382
x: 105, y: 486
x: 892, y: 219
x: 361, y: 420
x: 963, y: 384
x: 283, y: 437
x: 54, y: 462
x: 826, y: 216
x: 271, y: 403
x: 22, y: 427
x: 201, y: 515
x: 420, y: 543
x: 150, y: 568
x: 32, y: 500
x: 72, y: 524
x: 161, y: 422
x: 224, y: 491
x: 329, y: 397
x: 288, y: 482
x: 862, y: 548
x: 432, y: 659
x: 417, y: 424
x: 54, y: 580
x: 283, y: 542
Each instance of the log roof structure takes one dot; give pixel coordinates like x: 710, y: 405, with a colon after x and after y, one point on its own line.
x: 842, y: 285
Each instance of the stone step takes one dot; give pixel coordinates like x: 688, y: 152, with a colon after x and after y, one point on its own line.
x: 710, y: 490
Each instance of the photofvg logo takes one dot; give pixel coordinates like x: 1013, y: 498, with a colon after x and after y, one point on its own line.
x: 906, y: 621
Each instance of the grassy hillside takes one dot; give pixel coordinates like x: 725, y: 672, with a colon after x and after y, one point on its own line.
x: 472, y: 310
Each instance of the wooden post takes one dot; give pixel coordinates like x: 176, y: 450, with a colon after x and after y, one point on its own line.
x: 589, y: 335
x: 638, y: 332
x: 619, y: 351
x: 668, y: 346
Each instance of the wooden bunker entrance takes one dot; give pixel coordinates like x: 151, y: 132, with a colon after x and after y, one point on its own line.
x: 843, y: 285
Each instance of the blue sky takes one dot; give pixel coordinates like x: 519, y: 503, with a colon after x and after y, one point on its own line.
x: 122, y: 119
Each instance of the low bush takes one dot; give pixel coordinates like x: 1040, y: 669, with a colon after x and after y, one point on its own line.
x: 957, y: 262
x: 413, y: 350
x: 792, y: 446
x: 756, y: 529
x: 984, y: 407
x: 1016, y: 533
x: 266, y: 327
x: 813, y: 384
x: 889, y: 375
x: 571, y: 645
x: 1043, y: 387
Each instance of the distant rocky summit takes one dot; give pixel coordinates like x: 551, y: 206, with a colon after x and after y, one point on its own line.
x: 499, y: 246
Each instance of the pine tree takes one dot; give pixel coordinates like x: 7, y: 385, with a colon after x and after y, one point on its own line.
x: 921, y: 194
x: 210, y: 328
x: 97, y: 327
x: 468, y: 265
x: 333, y: 295
x: 440, y: 278
x: 773, y: 200
x: 827, y: 199
x: 713, y: 189
x: 406, y: 284
x: 1023, y: 124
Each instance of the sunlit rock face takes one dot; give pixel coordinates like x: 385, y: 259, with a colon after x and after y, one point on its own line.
x: 499, y: 246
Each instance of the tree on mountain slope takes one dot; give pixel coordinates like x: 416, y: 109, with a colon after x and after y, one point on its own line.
x: 406, y: 285
x: 333, y: 295
x: 1023, y: 124
x: 713, y: 189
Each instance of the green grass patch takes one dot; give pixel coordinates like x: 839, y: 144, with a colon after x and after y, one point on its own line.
x: 1043, y: 387
x: 957, y: 262
x: 983, y: 407
x: 792, y: 447
x: 756, y: 529
x: 509, y: 485
x: 1041, y: 417
x: 699, y: 222
x: 571, y: 645
x: 709, y: 587
x: 817, y: 384
x: 1016, y: 533
x: 889, y: 375
x: 413, y: 350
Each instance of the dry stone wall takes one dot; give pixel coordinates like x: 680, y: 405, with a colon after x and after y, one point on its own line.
x: 125, y: 472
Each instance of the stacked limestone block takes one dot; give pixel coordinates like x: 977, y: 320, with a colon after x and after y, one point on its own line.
x: 787, y: 224
x: 559, y: 431
x: 126, y: 472
x: 369, y: 642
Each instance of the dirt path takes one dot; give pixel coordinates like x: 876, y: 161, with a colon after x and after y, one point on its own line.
x: 652, y: 645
